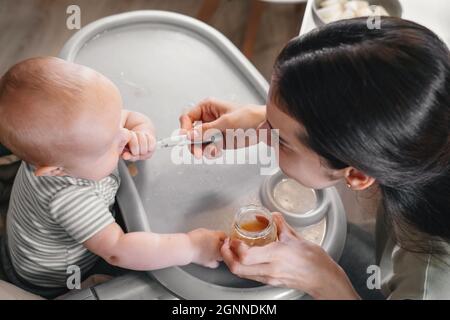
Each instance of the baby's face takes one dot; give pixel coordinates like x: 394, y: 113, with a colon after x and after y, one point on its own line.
x: 102, y: 134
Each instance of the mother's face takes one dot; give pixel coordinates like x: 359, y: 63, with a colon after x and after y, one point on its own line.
x: 296, y: 160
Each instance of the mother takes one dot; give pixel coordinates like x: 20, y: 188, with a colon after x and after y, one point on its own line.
x: 369, y: 107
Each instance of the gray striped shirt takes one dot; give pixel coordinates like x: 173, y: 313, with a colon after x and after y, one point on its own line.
x: 48, y: 220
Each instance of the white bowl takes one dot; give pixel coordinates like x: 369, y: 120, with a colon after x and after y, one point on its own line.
x: 300, y: 218
x: 393, y: 8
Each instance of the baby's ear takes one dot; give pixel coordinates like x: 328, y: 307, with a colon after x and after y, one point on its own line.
x: 47, y: 171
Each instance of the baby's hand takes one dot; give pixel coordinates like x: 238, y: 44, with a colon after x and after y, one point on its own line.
x: 141, y: 142
x: 206, y: 246
x: 141, y: 145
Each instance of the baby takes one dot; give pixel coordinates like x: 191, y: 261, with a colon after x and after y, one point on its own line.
x: 66, y: 122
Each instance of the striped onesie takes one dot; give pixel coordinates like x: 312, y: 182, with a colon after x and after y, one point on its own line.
x: 48, y: 220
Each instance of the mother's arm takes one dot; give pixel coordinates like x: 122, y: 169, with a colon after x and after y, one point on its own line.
x: 291, y: 262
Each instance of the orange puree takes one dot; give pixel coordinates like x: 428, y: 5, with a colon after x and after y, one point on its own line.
x: 257, y: 225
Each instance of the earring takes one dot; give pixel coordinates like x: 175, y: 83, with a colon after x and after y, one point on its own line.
x: 349, y: 185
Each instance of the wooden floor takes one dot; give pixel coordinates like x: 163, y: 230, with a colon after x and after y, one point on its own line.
x: 38, y: 27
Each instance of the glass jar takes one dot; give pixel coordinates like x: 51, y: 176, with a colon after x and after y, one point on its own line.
x: 254, y: 225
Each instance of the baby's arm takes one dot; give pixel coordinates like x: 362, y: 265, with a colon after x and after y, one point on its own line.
x: 149, y: 251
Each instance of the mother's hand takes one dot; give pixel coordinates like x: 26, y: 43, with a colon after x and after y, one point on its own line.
x: 219, y: 115
x: 291, y: 262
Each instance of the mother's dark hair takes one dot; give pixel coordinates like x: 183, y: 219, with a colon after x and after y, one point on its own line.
x: 378, y: 100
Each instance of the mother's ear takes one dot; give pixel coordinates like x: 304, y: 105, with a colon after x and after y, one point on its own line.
x: 48, y: 171
x: 357, y: 180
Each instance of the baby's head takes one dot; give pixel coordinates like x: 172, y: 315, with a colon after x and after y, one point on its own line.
x: 63, y: 118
